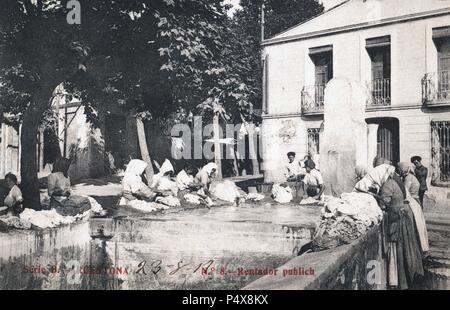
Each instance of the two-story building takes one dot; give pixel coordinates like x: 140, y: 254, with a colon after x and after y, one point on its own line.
x: 398, y: 49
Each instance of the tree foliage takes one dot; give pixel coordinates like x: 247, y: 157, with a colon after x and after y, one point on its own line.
x: 279, y: 16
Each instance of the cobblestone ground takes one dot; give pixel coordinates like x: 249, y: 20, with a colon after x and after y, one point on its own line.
x: 437, y: 215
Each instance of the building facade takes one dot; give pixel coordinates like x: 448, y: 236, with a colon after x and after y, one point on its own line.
x: 399, y: 50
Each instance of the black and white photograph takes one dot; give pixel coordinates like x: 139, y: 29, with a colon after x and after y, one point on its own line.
x: 234, y: 146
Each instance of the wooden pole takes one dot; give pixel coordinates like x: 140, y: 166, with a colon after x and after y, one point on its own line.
x: 217, y: 157
x: 262, y: 22
x: 144, y: 150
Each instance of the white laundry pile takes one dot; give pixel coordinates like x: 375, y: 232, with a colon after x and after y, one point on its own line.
x: 255, y: 197
x: 170, y: 201
x: 51, y: 218
x: 226, y: 191
x: 193, y: 199
x: 166, y: 184
x: 144, y: 206
x: 346, y: 219
x: 282, y: 194
x: 312, y: 201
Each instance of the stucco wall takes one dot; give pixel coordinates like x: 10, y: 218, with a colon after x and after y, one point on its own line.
x: 280, y: 136
x: 413, y: 54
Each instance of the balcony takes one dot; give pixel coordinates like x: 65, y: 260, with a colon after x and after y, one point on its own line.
x: 312, y: 99
x: 436, y: 89
x: 380, y: 90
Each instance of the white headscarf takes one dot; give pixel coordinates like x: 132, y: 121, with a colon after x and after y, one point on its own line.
x: 132, y: 180
x: 375, y: 178
x: 204, y: 175
x: 165, y: 167
x: 184, y: 180
x: 208, y: 168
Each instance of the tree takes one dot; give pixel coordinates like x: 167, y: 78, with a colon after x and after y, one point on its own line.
x: 279, y: 16
x: 245, y: 44
x: 38, y: 52
x: 143, y: 56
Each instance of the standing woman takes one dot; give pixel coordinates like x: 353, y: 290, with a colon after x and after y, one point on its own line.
x: 404, y: 255
x: 412, y: 186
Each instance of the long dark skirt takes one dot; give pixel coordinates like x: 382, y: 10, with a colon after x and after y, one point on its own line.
x: 404, y: 239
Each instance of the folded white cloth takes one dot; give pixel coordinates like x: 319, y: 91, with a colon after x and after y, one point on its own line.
x: 282, y: 194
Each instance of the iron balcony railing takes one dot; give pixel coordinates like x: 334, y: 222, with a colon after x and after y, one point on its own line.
x: 436, y: 88
x: 313, y: 99
x: 381, y: 93
x: 440, y: 151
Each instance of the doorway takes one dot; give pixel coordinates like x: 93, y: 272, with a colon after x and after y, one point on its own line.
x: 388, y: 138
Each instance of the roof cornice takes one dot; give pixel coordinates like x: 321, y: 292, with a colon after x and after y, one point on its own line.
x: 354, y: 27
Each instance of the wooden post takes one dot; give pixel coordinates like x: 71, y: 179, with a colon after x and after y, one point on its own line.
x: 262, y: 22
x: 144, y: 149
x: 252, y: 148
x: 217, y: 150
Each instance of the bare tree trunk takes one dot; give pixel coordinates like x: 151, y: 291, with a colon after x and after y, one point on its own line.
x: 235, y: 164
x: 144, y: 150
x: 217, y: 157
x: 1, y: 116
x: 28, y: 159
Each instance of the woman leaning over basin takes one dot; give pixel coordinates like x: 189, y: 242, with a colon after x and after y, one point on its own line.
x: 61, y: 198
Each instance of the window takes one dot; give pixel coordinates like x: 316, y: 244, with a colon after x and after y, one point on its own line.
x: 322, y: 58
x: 440, y: 151
x: 436, y: 85
x: 313, y: 141
x: 444, y: 68
x: 379, y: 50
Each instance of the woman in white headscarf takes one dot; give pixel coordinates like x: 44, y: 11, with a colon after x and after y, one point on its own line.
x: 374, y: 180
x: 205, y: 175
x: 412, y: 186
x: 162, y: 181
x: 133, y: 186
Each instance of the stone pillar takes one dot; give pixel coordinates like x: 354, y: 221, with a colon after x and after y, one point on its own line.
x: 372, y: 141
x: 344, y: 141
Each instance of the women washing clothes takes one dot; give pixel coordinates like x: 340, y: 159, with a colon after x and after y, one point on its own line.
x: 162, y: 181
x: 313, y: 181
x: 185, y: 178
x: 133, y: 186
x: 59, y: 191
x: 205, y: 176
x: 188, y: 187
